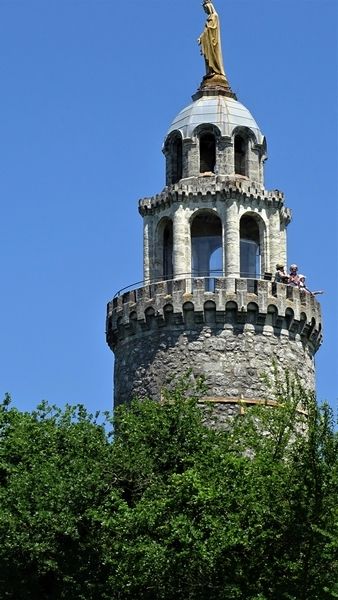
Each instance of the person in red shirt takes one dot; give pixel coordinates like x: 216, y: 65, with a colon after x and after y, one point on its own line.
x: 294, y: 277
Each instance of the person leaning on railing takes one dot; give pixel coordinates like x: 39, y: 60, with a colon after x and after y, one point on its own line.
x: 293, y: 276
x: 280, y: 275
x: 302, y: 286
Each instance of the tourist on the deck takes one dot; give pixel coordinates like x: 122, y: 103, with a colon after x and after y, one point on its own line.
x: 302, y: 286
x: 294, y: 277
x: 281, y: 276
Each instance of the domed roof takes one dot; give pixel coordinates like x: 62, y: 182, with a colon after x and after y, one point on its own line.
x: 222, y: 111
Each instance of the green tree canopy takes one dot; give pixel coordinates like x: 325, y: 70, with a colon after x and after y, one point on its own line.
x: 169, y: 508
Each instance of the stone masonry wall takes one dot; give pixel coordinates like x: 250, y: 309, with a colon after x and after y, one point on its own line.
x: 231, y: 362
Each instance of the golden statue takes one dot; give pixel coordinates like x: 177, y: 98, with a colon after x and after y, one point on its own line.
x: 210, y: 42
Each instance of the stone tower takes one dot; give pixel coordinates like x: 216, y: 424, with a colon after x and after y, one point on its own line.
x: 212, y: 239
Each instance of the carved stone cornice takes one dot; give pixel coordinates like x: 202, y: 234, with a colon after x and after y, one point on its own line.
x: 223, y: 187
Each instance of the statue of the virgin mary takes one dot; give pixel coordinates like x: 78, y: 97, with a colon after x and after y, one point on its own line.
x: 210, y: 42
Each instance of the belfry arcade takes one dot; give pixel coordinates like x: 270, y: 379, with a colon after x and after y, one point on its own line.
x: 235, y: 232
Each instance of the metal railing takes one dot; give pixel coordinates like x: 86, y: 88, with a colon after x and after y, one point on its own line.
x: 209, y: 279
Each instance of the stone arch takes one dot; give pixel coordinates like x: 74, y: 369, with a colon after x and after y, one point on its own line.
x: 241, y: 155
x: 120, y: 327
x: 312, y: 327
x: 206, y: 243
x: 149, y: 314
x: 208, y: 136
x: 252, y: 313
x: 188, y: 314
x: 245, y: 132
x: 133, y: 321
x: 289, y: 318
x: 173, y: 150
x: 231, y: 309
x: 231, y: 305
x: 168, y: 312
x: 252, y: 234
x: 272, y: 315
x: 302, y: 323
x: 164, y: 241
x: 209, y: 312
x: 243, y: 140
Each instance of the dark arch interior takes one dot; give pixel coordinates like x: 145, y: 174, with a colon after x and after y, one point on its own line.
x: 207, y: 153
x: 240, y: 155
x: 177, y: 158
x: 168, y: 250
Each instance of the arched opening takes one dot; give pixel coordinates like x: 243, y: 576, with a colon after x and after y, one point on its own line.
x: 231, y: 309
x: 168, y: 250
x: 240, y: 155
x: 133, y: 322
x: 250, y: 247
x: 188, y: 314
x: 206, y: 245
x: 168, y: 311
x: 252, y: 313
x: 207, y: 152
x: 176, y: 159
x: 210, y: 312
x: 163, y: 250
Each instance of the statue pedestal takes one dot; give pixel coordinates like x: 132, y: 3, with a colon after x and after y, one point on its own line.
x: 213, y: 85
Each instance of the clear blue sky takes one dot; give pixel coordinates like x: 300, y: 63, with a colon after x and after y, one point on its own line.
x: 88, y: 90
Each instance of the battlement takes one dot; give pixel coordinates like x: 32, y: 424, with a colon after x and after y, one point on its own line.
x: 238, y: 304
x: 224, y: 188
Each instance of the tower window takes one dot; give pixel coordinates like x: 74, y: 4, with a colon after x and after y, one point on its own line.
x: 206, y: 245
x: 250, y: 249
x: 176, y: 159
x: 207, y: 153
x: 240, y: 155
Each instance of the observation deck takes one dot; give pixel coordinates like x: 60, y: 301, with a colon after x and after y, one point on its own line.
x: 239, y: 303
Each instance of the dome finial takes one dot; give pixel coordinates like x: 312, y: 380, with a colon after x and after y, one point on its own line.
x: 211, y: 49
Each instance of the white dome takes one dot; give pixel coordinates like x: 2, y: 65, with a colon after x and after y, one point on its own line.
x: 226, y: 113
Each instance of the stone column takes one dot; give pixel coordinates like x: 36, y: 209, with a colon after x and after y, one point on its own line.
x: 225, y: 156
x: 283, y: 244
x: 253, y: 162
x: 147, y: 249
x: 277, y: 252
x: 191, y: 166
x: 231, y: 241
x: 181, y: 240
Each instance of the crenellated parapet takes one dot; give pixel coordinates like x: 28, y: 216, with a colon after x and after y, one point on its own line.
x: 235, y: 303
x: 254, y: 302
x: 224, y: 188
x: 230, y: 331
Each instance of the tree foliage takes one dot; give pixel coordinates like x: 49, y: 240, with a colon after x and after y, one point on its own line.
x: 169, y: 508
